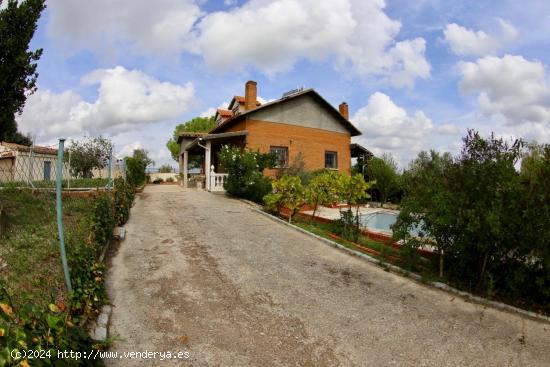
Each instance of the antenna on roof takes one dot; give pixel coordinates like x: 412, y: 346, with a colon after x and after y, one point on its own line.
x: 293, y: 91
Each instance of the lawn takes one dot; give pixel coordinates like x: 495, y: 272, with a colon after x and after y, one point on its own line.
x: 29, y: 247
x: 327, y: 230
x: 73, y: 183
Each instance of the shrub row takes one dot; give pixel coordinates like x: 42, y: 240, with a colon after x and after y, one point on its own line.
x: 488, y: 220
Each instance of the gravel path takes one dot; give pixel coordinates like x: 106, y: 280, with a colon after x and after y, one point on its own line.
x: 203, y: 273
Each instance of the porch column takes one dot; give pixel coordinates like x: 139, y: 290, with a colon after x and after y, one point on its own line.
x: 207, y: 160
x: 185, y: 165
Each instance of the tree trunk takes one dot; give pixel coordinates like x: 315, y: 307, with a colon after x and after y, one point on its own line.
x: 441, y: 263
x: 313, y: 214
x: 482, y: 274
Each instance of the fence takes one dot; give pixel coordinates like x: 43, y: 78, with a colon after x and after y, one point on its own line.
x: 55, y: 228
x: 37, y: 167
x: 47, y: 207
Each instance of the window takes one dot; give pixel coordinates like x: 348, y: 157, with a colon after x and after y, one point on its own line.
x: 282, y: 156
x: 331, y: 160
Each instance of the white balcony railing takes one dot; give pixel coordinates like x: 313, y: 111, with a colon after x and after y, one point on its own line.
x: 217, y: 180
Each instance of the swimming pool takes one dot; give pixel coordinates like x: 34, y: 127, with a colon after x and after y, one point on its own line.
x: 379, y: 221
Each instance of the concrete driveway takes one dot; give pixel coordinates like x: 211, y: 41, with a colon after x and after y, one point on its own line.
x: 204, y: 274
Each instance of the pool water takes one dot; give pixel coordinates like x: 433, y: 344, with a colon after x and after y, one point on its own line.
x: 382, y: 222
x: 379, y: 221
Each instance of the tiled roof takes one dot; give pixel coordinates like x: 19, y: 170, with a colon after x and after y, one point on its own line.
x: 353, y: 130
x: 240, y: 99
x: 35, y: 149
x: 225, y: 113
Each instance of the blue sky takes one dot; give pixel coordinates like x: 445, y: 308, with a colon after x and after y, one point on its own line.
x: 416, y: 74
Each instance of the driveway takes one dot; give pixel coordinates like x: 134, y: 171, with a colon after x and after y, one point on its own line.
x: 203, y: 273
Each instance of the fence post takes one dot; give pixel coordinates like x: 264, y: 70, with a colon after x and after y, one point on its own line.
x: 69, y: 173
x: 109, y: 184
x: 30, y: 177
x: 60, y: 230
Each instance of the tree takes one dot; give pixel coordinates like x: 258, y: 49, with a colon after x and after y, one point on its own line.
x: 17, y: 65
x: 165, y: 168
x: 288, y: 193
x: 383, y: 173
x: 87, y: 155
x: 427, y: 205
x: 467, y: 205
x: 198, y: 125
x: 323, y: 189
x: 136, y: 166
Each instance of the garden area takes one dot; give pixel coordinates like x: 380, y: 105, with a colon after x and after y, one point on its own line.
x: 483, y: 214
x: 37, y: 310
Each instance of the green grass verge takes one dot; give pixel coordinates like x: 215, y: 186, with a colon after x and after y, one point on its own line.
x: 29, y: 248
x: 76, y: 183
x: 321, y: 229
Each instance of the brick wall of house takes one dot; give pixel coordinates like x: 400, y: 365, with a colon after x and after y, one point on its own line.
x: 311, y: 142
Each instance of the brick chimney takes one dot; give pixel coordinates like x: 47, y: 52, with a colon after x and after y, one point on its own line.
x: 250, y: 95
x: 344, y: 110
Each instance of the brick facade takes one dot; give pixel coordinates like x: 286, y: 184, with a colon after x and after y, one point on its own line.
x: 312, y: 143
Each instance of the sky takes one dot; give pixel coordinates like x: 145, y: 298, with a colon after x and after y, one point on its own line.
x: 415, y: 74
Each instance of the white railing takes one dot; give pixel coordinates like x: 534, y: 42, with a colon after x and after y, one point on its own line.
x: 217, y: 180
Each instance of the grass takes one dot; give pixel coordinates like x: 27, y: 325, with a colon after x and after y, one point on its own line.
x: 74, y: 183
x: 323, y: 230
x: 30, y: 246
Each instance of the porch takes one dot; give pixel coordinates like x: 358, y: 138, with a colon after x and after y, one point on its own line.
x: 202, y: 152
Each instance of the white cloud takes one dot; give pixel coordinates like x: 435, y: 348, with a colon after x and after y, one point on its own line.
x: 208, y: 112
x: 269, y: 35
x: 512, y: 88
x: 126, y: 99
x: 466, y: 42
x: 386, y: 127
x: 159, y: 27
x: 128, y: 149
x: 272, y: 35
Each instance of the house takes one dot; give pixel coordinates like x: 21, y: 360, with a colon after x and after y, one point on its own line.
x: 23, y: 163
x: 299, y: 124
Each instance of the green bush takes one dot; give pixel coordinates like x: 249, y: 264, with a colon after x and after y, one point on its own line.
x: 30, y: 327
x: 488, y: 222
x: 244, y: 168
x: 288, y: 193
x: 347, y: 226
x: 136, y: 166
x: 102, y: 221
x: 123, y: 200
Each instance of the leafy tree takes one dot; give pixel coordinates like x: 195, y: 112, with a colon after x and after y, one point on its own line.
x: 87, y: 155
x: 383, y: 173
x: 17, y: 65
x: 136, y: 166
x: 467, y: 206
x: 354, y: 189
x: 427, y: 205
x: 288, y: 193
x: 165, y: 168
x: 534, y: 216
x: 323, y: 189
x: 197, y: 124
